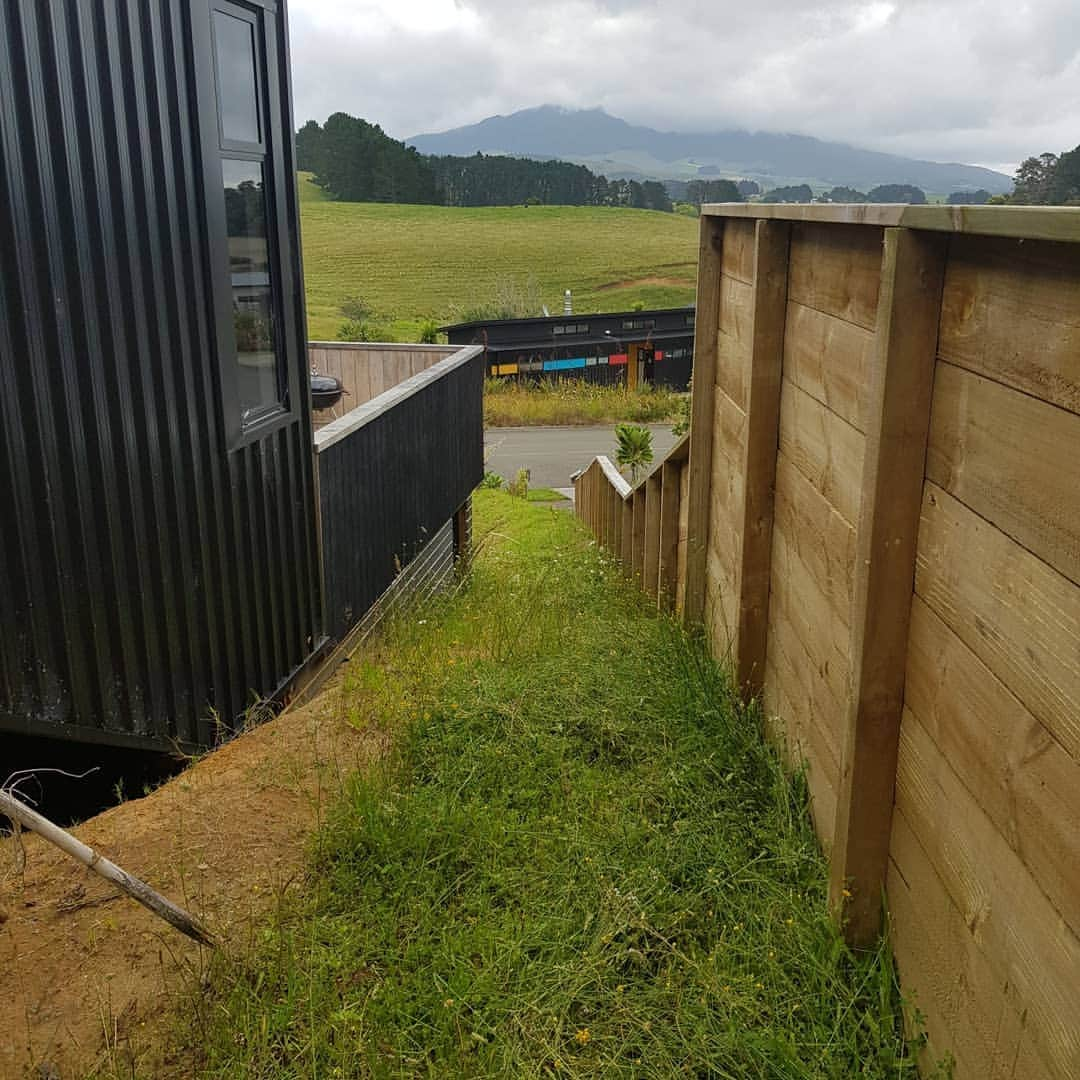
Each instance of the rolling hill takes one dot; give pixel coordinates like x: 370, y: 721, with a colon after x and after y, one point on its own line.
x: 411, y: 263
x: 612, y: 146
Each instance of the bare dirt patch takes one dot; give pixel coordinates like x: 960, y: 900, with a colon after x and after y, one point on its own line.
x: 634, y: 283
x: 90, y: 976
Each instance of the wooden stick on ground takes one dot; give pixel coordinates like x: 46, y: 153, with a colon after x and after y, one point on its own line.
x: 18, y: 811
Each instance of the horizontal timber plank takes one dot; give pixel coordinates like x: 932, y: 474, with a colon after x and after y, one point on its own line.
x: 824, y: 634
x: 734, y: 339
x: 1011, y: 312
x: 784, y: 726
x: 1018, y: 615
x: 830, y: 359
x: 1023, y: 779
x: 1057, y: 223
x: 1011, y: 920
x: 1013, y: 459
x: 837, y: 269
x: 817, y: 534
x: 737, y: 257
x: 968, y: 1009
x: 827, y: 450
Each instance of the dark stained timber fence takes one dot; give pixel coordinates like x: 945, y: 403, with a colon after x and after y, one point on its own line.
x: 391, y: 474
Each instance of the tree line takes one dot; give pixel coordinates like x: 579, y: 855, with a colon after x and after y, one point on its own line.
x: 358, y: 162
x: 1047, y: 180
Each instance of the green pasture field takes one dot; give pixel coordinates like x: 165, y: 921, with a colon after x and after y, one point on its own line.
x: 413, y: 263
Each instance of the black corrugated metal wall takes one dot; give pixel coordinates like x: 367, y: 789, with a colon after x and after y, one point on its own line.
x: 148, y: 574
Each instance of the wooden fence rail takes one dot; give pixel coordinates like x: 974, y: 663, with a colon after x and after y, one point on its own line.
x: 881, y: 529
x: 643, y: 526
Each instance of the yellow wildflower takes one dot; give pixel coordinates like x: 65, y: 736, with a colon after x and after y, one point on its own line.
x: 583, y: 1036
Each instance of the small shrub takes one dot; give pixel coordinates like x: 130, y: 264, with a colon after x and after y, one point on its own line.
x: 356, y: 308
x: 519, y: 486
x: 364, y: 330
x: 429, y: 332
x: 492, y: 480
x: 634, y: 448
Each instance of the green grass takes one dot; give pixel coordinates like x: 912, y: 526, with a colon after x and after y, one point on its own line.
x: 508, y: 403
x: 411, y: 263
x: 544, y: 495
x: 581, y: 861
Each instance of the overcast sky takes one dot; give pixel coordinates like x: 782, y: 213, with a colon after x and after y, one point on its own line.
x: 978, y: 81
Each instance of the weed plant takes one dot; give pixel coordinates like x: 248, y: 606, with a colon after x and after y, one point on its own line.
x: 581, y: 861
x: 508, y: 403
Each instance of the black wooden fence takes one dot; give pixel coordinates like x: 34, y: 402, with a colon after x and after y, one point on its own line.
x: 391, y: 474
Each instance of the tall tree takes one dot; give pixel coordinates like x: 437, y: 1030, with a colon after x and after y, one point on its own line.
x: 1065, y: 184
x: 1034, y: 179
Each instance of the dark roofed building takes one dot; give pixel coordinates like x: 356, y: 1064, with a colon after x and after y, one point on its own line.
x: 631, y: 347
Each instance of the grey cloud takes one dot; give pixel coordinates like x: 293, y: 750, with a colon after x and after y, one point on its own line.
x: 972, y: 80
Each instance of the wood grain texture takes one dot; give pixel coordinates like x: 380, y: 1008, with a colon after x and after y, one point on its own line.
x: 1013, y: 459
x: 735, y: 338
x: 1018, y: 615
x: 828, y: 451
x: 669, y: 534
x: 737, y: 260
x: 638, y: 542
x: 830, y: 359
x: 784, y: 729
x: 836, y: 269
x: 684, y: 515
x: 1010, y: 918
x: 1054, y: 223
x: 758, y: 465
x: 817, y: 535
x: 706, y: 330
x: 1023, y: 779
x: 1011, y: 312
x: 901, y: 388
x: 626, y: 536
x: 969, y: 1010
x: 650, y: 572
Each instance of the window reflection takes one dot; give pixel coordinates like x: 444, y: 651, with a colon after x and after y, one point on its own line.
x: 234, y: 43
x: 252, y: 296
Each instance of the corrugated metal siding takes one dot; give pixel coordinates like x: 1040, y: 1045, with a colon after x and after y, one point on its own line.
x: 388, y: 487
x: 147, y: 575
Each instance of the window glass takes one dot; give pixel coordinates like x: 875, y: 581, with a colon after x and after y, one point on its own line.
x: 252, y: 294
x: 238, y: 99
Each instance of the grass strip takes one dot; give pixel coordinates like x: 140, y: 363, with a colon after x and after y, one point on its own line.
x: 582, y: 860
x: 508, y: 403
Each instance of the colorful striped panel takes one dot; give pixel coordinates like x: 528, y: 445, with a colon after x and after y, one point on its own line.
x: 507, y: 369
x: 564, y: 365
x: 617, y: 358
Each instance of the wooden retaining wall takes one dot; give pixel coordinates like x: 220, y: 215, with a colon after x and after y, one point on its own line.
x: 883, y: 534
x: 368, y: 369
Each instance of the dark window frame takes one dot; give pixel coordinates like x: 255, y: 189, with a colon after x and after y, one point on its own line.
x: 275, y: 154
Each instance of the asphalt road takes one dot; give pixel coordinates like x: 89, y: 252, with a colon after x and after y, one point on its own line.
x: 553, y: 453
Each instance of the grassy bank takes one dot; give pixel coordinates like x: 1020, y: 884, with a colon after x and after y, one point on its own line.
x: 412, y: 263
x: 513, y: 404
x: 582, y: 861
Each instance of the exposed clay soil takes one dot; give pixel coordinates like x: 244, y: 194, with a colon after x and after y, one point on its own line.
x: 633, y: 283
x: 89, y: 975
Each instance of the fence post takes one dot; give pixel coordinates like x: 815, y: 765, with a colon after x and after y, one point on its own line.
x: 638, y: 561
x: 909, y: 312
x: 626, y: 541
x: 669, y: 533
x: 650, y: 571
x: 706, y: 329
x: 771, y: 240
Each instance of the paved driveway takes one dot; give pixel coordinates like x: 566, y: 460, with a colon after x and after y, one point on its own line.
x: 553, y: 453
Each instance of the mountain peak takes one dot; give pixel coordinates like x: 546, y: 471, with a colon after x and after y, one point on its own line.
x: 610, y: 145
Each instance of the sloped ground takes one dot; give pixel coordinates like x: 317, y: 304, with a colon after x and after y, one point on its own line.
x: 530, y: 834
x: 90, y: 976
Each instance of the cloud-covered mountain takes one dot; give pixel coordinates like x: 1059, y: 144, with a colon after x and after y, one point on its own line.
x: 610, y: 145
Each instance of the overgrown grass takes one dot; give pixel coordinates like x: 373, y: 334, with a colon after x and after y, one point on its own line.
x: 509, y: 403
x: 413, y: 263
x: 582, y: 861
